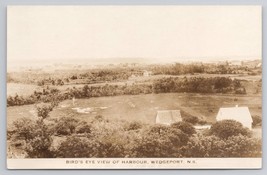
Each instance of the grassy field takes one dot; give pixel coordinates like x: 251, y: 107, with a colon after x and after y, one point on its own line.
x: 143, y: 107
x: 21, y: 89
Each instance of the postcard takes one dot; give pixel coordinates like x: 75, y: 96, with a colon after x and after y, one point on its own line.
x: 134, y: 87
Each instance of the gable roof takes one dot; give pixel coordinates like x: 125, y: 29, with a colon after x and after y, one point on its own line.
x: 168, y: 116
x: 240, y: 114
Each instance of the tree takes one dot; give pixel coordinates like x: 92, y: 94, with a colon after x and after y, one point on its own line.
x: 83, y: 127
x: 242, y: 146
x: 43, y: 110
x: 86, y: 91
x: 185, y: 127
x: 24, y: 128
x: 36, y: 135
x: 75, y: 147
x: 203, y: 146
x: 189, y: 118
x: 135, y: 125
x: 40, y: 145
x: 257, y: 121
x: 66, y: 125
x: 160, y: 141
x: 213, y: 146
x: 227, y: 128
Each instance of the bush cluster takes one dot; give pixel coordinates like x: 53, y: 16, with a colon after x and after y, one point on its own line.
x: 100, y: 137
x: 164, y: 85
x: 181, y: 69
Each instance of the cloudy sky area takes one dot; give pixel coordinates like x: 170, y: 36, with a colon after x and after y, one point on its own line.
x: 150, y: 33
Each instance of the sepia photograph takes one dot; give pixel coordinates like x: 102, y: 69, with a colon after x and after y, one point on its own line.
x: 134, y: 87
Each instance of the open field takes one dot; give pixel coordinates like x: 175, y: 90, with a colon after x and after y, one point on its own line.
x: 143, y: 107
x: 21, y: 89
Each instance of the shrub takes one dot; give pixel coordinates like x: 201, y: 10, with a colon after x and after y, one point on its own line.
x: 39, y: 147
x: 43, y: 110
x: 240, y: 91
x: 75, y: 147
x: 257, y: 120
x: 135, y: 125
x: 36, y: 135
x: 185, y: 127
x: 212, y: 146
x: 24, y: 129
x: 242, y: 146
x: 66, y: 126
x: 83, y: 147
x: 202, y: 122
x: 159, y: 141
x: 191, y: 119
x: 227, y: 128
x: 203, y: 146
x: 83, y: 127
x: 99, y: 118
x: 111, y: 146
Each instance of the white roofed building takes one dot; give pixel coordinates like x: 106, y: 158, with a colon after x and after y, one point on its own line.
x: 240, y: 114
x: 167, y: 117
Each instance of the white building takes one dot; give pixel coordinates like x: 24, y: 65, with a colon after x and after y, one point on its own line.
x: 147, y: 73
x: 240, y: 114
x: 259, y: 65
x: 167, y: 117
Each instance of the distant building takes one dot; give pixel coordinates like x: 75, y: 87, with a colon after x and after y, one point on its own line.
x: 147, y: 73
x: 167, y: 117
x: 240, y: 114
x: 258, y: 65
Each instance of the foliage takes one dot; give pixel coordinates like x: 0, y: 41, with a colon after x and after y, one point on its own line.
x: 227, y: 128
x: 104, y: 138
x: 163, y: 85
x: 39, y: 146
x: 243, y: 146
x: 19, y: 100
x: 160, y: 141
x: 24, y: 129
x: 212, y: 146
x: 185, y: 127
x: 111, y: 146
x: 46, y: 95
x: 135, y: 125
x: 83, y: 127
x: 43, y: 110
x: 257, y: 120
x: 197, y: 68
x: 196, y: 85
x: 67, y: 126
x: 36, y: 136
x: 99, y: 118
x: 191, y: 119
x: 75, y: 147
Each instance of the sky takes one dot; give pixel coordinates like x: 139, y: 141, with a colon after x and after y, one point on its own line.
x: 173, y: 33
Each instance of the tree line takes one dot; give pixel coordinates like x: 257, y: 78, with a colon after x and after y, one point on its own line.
x: 164, y: 85
x: 200, y: 68
x: 121, y: 73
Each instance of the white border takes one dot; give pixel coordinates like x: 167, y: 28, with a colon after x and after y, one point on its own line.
x: 137, y: 163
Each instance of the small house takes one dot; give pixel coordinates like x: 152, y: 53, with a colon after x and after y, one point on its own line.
x: 147, y: 73
x: 258, y: 65
x: 167, y: 117
x: 240, y: 114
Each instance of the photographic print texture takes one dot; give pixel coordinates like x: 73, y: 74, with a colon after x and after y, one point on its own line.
x: 134, y: 87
